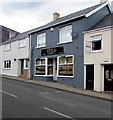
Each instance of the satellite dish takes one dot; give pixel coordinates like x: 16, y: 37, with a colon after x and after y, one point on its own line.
x: 73, y: 34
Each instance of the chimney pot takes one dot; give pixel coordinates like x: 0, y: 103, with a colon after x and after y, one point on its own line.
x: 56, y: 15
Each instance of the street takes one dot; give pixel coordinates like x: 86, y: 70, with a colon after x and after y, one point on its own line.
x: 24, y: 100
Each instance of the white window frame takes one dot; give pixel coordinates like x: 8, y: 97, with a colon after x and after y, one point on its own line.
x: 65, y: 64
x: 41, y: 65
x: 66, y: 30
x: 22, y: 43
x: 7, y: 62
x: 7, y: 47
x: 47, y: 69
x: 41, y: 36
x: 96, y: 40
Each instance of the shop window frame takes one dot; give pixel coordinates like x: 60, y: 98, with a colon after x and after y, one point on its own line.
x: 65, y: 64
x: 40, y: 65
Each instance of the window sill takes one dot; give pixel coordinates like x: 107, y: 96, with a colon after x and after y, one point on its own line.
x: 6, y: 50
x: 6, y: 68
x: 40, y: 47
x: 44, y: 75
x: 97, y: 51
x: 66, y: 76
x: 65, y: 42
x: 22, y: 47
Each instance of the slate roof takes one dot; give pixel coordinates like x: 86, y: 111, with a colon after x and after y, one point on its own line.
x: 107, y: 21
x: 69, y: 17
x: 60, y: 20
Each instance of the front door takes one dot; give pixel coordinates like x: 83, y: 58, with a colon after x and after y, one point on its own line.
x: 108, y: 78
x: 89, y: 77
x: 22, y: 66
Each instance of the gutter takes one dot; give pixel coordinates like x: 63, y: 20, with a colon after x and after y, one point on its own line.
x: 99, y: 29
x: 83, y: 15
x: 56, y: 24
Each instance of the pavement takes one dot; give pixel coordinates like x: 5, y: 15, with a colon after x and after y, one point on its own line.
x: 55, y: 85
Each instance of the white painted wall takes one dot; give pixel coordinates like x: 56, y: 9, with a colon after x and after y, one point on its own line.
x: 16, y: 52
x: 99, y: 58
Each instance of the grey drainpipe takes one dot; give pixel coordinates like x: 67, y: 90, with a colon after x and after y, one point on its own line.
x: 29, y: 66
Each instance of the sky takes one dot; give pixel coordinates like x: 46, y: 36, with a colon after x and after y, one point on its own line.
x: 24, y: 15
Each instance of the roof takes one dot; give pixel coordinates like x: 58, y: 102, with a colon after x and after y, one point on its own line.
x: 9, y: 29
x: 17, y: 37
x: 82, y: 13
x: 105, y: 22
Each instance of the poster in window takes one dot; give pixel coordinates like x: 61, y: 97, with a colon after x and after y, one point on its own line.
x: 88, y: 46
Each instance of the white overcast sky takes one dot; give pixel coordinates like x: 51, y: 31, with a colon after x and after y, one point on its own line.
x: 23, y: 15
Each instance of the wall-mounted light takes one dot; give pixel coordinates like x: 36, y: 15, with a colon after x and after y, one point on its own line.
x: 14, y: 59
x: 51, y: 29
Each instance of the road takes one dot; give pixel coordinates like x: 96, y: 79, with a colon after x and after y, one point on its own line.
x: 24, y: 100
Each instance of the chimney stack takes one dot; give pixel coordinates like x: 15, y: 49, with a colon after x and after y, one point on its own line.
x: 102, y: 1
x: 56, y: 15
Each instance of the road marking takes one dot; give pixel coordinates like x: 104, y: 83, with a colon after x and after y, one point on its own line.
x: 58, y: 113
x: 8, y: 93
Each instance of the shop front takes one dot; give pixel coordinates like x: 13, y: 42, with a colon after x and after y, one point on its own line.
x: 53, y: 63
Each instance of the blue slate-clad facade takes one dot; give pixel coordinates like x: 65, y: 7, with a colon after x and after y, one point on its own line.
x: 80, y: 22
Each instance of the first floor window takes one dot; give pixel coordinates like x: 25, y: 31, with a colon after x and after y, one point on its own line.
x: 41, y: 40
x: 96, y: 42
x: 22, y: 43
x: 40, y: 66
x: 7, y: 47
x: 65, y: 66
x: 65, y: 34
x: 7, y: 64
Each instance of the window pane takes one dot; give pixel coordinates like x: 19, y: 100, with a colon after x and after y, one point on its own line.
x: 5, y: 64
x: 41, y: 40
x: 65, y: 34
x: 61, y: 60
x: 96, y: 38
x: 21, y: 43
x: 50, y: 61
x: 96, y: 45
x: 111, y: 74
x: 69, y: 59
x: 42, y: 61
x: 7, y: 47
x: 37, y: 61
x: 9, y: 64
x: 40, y: 70
x: 107, y: 74
x: 66, y: 70
x: 50, y: 70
